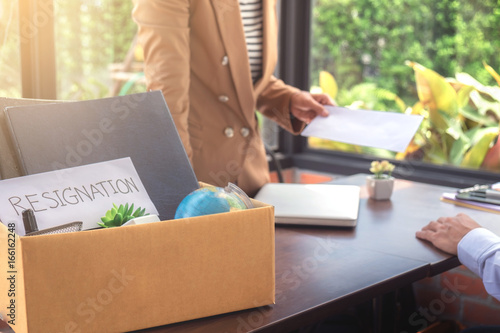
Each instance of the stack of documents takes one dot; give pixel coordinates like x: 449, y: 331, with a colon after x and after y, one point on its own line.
x: 482, y: 197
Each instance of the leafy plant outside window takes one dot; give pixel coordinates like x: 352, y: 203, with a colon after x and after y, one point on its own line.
x: 461, y: 118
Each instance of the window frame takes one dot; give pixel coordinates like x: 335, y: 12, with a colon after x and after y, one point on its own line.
x: 295, y: 27
x: 37, y: 49
x: 38, y: 66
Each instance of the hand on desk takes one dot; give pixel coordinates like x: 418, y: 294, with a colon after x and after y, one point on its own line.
x: 446, y: 232
x: 305, y: 106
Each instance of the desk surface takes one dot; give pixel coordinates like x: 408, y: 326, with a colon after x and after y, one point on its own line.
x: 320, y: 271
x: 390, y: 226
x: 323, y: 270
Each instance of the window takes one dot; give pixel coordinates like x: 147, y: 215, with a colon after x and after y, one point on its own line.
x: 95, y: 51
x: 365, y: 45
x: 10, y: 69
x: 374, y: 49
x: 362, y: 43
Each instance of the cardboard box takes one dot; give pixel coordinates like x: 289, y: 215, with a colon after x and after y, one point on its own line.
x: 140, y: 276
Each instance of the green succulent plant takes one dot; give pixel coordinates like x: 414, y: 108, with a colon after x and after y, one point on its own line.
x: 117, y: 216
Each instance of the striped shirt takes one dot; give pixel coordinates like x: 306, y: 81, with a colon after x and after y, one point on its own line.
x: 251, y: 13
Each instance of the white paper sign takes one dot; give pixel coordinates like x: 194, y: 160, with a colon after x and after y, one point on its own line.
x: 83, y: 193
x: 386, y: 130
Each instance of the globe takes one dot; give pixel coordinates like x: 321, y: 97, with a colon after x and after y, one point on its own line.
x: 212, y: 200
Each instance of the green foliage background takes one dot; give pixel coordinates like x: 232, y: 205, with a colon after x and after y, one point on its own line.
x: 90, y: 35
x: 363, y: 43
x: 355, y: 40
x: 369, y: 40
x: 10, y: 74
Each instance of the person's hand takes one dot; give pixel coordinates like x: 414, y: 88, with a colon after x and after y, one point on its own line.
x: 305, y: 106
x: 446, y: 232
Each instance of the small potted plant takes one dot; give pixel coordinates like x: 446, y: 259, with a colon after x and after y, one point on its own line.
x: 125, y: 215
x: 381, y: 183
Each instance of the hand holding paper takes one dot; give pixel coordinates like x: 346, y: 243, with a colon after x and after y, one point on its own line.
x: 386, y: 130
x: 305, y: 106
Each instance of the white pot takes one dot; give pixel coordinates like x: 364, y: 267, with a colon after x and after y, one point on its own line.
x: 380, y: 189
x: 143, y: 219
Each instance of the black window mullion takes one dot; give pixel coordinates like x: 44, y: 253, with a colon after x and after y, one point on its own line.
x: 293, y: 66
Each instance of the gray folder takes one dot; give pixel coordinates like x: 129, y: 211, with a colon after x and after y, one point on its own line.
x: 55, y: 136
x: 9, y: 164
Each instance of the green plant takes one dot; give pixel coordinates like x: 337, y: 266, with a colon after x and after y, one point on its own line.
x: 378, y: 168
x: 461, y: 119
x: 368, y: 41
x: 117, y: 216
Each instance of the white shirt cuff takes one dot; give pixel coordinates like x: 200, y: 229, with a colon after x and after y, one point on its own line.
x: 475, y: 247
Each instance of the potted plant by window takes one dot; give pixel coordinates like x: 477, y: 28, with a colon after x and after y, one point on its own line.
x: 381, y: 183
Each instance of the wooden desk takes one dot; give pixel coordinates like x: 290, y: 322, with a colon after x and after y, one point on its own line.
x: 320, y: 271
x: 390, y: 226
x: 323, y: 270
x: 314, y: 279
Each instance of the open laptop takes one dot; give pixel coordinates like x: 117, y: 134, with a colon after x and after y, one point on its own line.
x: 312, y: 204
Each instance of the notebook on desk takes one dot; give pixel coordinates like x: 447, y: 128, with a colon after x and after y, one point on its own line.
x: 312, y: 204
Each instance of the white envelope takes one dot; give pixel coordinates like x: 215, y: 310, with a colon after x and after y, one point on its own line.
x: 386, y: 130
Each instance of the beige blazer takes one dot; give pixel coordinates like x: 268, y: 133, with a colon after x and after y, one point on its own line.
x: 195, y: 53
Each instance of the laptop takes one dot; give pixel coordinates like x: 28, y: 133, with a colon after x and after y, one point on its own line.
x: 312, y: 204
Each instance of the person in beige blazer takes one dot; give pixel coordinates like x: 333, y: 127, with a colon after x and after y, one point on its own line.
x: 195, y: 52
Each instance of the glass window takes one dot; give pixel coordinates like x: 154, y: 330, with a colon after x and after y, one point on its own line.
x: 93, y: 39
x: 438, y: 59
x: 10, y: 69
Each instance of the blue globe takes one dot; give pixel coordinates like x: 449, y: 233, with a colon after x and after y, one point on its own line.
x: 208, y: 200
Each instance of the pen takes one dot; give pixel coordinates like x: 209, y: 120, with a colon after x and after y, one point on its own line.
x: 493, y: 194
x: 487, y: 193
x: 31, y: 227
x: 475, y: 188
x: 29, y: 221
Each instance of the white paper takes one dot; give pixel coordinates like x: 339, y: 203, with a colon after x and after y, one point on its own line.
x: 83, y: 193
x: 386, y: 130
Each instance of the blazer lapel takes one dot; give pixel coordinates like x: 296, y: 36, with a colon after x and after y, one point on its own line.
x: 233, y: 37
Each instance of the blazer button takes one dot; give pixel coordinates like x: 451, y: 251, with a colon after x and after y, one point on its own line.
x: 229, y: 132
x: 223, y: 98
x: 244, y: 132
x: 225, y: 60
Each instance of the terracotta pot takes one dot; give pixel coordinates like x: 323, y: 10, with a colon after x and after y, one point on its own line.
x: 380, y: 189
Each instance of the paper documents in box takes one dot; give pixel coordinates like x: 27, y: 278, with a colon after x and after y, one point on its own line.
x: 56, y: 136
x: 81, y: 193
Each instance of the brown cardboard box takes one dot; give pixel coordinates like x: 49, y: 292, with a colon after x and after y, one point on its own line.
x: 134, y: 277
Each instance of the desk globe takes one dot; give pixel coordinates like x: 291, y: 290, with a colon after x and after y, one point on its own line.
x: 213, y: 200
